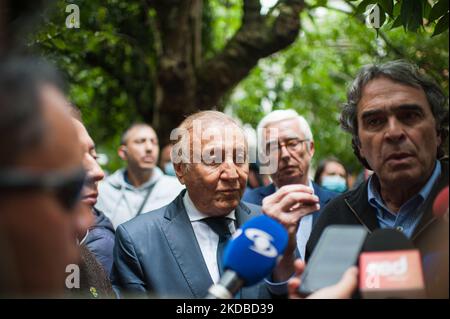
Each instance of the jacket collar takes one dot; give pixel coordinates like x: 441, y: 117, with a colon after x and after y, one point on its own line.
x: 428, y: 217
x: 357, y: 201
x: 184, y: 246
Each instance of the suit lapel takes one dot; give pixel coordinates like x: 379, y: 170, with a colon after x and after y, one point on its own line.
x: 243, y: 213
x: 184, y: 246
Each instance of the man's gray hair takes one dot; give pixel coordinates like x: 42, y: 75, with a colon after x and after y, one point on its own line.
x: 210, y: 118
x: 282, y: 115
x: 403, y: 72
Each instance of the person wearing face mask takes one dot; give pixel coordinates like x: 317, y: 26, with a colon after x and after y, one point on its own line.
x: 332, y: 175
x: 165, y: 163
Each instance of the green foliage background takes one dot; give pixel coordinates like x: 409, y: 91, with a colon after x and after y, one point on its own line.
x: 110, y: 64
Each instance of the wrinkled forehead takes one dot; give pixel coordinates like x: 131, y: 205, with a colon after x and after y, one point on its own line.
x: 220, y: 135
x: 281, y: 130
x: 85, y: 139
x: 140, y: 132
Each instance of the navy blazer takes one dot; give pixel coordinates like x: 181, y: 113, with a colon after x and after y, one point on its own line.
x: 100, y: 240
x: 256, y: 196
x: 158, y: 253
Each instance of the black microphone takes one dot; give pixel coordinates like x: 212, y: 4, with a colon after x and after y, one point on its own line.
x: 440, y: 205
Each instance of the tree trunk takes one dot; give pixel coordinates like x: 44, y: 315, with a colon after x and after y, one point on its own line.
x: 185, y: 83
x: 176, y: 81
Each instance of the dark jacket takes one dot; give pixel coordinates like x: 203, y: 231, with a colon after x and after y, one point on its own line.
x: 158, y: 253
x: 100, y: 240
x: 94, y: 282
x: 256, y: 196
x: 430, y: 235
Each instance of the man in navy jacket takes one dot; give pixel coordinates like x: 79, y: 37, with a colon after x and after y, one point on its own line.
x: 291, y: 146
x: 99, y: 238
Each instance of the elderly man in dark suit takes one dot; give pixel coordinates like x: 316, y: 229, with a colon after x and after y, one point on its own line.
x: 175, y: 251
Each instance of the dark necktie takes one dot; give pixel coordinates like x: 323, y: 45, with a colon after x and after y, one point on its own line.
x: 220, y: 225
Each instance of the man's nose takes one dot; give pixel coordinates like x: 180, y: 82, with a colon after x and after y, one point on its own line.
x: 95, y: 173
x: 284, y: 153
x: 394, y: 130
x: 229, y: 171
x: 149, y: 146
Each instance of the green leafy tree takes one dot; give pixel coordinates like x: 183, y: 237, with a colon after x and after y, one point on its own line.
x: 158, y: 60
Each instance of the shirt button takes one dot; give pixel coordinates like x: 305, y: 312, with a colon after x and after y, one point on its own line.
x: 400, y: 228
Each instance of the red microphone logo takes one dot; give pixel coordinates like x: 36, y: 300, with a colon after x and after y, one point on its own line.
x: 440, y: 205
x: 391, y: 273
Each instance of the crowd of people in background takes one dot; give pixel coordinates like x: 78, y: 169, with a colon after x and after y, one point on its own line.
x: 159, y: 231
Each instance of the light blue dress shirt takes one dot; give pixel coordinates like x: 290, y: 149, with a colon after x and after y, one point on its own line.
x: 410, y: 213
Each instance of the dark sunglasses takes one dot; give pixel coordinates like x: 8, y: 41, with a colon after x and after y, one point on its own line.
x: 65, y: 185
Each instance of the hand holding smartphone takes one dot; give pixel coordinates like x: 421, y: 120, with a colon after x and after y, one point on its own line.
x: 337, y: 250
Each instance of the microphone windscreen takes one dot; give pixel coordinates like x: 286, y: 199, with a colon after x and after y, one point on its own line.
x: 440, y: 205
x: 390, y: 267
x: 255, y: 248
x: 387, y: 240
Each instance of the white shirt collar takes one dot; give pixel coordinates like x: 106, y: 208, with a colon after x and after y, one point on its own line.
x: 196, y: 215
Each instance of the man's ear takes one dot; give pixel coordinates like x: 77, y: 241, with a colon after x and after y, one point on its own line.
x: 180, y: 171
x: 122, y: 152
x: 359, y: 149
x: 439, y: 137
x: 311, y: 149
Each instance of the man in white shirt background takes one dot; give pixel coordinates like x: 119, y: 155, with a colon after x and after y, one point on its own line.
x: 141, y: 186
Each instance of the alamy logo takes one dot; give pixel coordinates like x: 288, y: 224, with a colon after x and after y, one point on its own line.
x: 230, y: 144
x: 73, y: 279
x: 262, y: 242
x: 373, y: 18
x: 73, y: 19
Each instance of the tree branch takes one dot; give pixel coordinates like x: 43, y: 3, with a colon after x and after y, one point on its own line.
x: 196, y: 22
x: 258, y: 37
x: 252, y: 9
